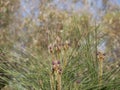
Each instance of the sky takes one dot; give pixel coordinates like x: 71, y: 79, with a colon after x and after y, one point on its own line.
x: 31, y: 7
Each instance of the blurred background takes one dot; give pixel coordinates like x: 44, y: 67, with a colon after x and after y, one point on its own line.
x: 31, y: 25
x: 26, y: 23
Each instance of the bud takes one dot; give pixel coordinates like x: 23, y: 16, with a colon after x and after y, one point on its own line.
x: 101, y: 55
x: 56, y: 66
x: 50, y: 48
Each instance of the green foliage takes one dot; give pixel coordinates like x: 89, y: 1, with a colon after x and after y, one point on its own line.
x: 74, y: 40
x: 31, y: 71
